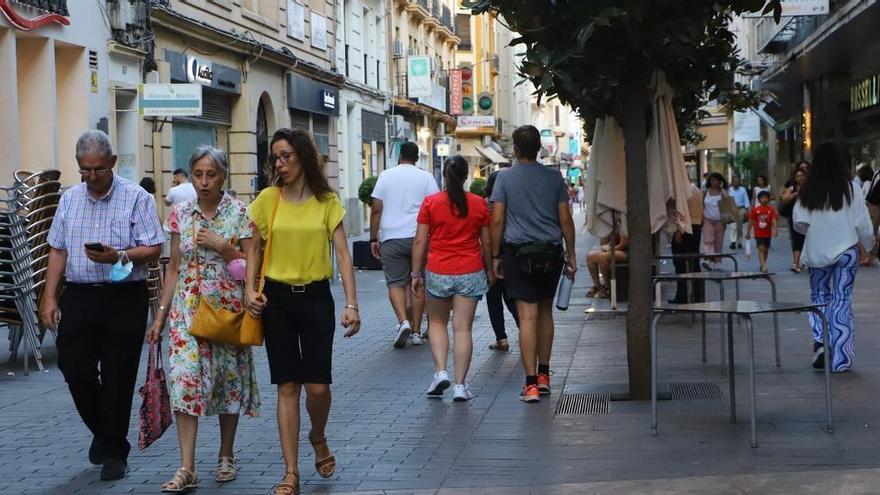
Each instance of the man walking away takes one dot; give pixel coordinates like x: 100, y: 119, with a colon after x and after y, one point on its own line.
x: 740, y: 196
x: 497, y: 292
x: 182, y: 191
x: 397, y: 198
x: 530, y: 220
x: 104, y: 233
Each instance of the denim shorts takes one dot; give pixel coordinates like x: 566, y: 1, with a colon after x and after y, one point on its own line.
x: 468, y: 285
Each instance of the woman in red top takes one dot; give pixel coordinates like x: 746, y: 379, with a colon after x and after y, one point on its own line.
x: 457, y: 223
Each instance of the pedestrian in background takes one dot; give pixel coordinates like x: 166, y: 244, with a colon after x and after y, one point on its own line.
x: 205, y: 378
x: 181, y: 190
x: 789, y: 199
x: 717, y: 213
x: 104, y: 233
x: 457, y: 223
x: 530, y: 220
x: 684, y: 243
x: 834, y: 218
x: 303, y: 216
x: 397, y: 198
x: 763, y: 221
x: 497, y: 296
x: 149, y: 185
x: 740, y: 196
x: 761, y: 184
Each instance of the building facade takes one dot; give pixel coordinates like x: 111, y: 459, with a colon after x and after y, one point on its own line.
x: 362, y: 58
x: 422, y: 49
x: 53, y: 83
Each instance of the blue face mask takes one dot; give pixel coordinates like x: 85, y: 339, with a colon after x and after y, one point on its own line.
x: 120, y: 271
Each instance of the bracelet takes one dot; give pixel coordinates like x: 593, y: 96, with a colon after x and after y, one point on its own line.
x: 352, y: 306
x: 494, y: 257
x: 163, y: 308
x: 374, y: 240
x: 415, y: 275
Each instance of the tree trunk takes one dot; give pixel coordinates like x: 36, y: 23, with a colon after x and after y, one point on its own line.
x: 638, y: 318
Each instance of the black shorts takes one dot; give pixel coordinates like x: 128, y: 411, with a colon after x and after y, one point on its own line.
x: 762, y: 241
x: 529, y: 288
x: 298, y: 328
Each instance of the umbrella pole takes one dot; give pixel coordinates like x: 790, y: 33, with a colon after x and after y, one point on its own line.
x: 613, y: 262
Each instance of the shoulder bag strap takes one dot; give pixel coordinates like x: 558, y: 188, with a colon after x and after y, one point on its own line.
x: 261, y: 282
x: 196, y: 255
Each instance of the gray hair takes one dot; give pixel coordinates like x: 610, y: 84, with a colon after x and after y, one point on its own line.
x: 93, y: 142
x: 215, y: 155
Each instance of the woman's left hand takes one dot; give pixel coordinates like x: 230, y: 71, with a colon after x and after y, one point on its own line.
x: 209, y: 239
x: 351, y: 319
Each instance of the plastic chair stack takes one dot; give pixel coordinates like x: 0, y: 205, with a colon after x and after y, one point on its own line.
x: 26, y: 213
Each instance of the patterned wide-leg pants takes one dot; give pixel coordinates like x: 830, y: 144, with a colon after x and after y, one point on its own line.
x: 833, y: 285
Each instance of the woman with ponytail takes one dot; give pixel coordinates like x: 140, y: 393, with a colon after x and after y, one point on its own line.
x: 457, y: 223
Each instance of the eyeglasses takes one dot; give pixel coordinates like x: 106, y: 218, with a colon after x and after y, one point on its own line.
x: 95, y: 171
x: 284, y: 157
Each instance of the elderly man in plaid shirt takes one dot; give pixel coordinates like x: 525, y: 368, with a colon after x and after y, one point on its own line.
x: 105, y: 231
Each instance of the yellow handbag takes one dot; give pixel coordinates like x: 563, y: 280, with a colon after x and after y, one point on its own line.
x: 252, y: 327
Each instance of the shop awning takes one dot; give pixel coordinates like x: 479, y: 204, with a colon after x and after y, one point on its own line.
x: 491, y: 155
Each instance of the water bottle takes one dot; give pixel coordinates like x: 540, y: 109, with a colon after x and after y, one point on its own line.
x: 564, y: 292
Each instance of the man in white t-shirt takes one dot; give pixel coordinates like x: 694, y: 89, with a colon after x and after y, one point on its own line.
x: 397, y: 198
x: 182, y: 191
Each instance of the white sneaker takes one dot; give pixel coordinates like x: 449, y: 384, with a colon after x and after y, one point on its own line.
x: 461, y: 392
x: 402, y: 330
x: 416, y: 339
x: 439, y: 384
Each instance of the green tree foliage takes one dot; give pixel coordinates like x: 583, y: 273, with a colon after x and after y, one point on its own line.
x: 598, y: 57
x: 478, y: 187
x: 751, y: 161
x: 365, y: 191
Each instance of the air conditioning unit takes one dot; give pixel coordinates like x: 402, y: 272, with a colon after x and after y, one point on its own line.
x: 396, y: 126
x: 398, y: 49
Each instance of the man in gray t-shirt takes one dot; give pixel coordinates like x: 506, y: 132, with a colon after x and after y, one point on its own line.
x: 530, y: 220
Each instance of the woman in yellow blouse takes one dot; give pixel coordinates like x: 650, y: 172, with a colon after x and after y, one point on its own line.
x: 304, y: 216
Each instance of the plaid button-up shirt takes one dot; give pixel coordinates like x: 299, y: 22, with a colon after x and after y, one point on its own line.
x: 124, y: 218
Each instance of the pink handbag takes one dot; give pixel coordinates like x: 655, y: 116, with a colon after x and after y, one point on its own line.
x: 155, y: 413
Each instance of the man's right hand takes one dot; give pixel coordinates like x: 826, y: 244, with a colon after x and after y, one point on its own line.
x: 50, y: 314
x: 496, y: 267
x: 376, y: 249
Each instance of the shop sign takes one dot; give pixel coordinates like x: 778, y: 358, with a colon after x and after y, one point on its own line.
x: 443, y: 149
x: 198, y: 71
x: 47, y: 12
x: 328, y: 99
x: 865, y: 94
x: 476, y: 121
x: 455, y: 93
x: 176, y: 100
x: 418, y: 77
x: 189, y: 69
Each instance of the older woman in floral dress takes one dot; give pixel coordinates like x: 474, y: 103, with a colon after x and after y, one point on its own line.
x: 206, y: 378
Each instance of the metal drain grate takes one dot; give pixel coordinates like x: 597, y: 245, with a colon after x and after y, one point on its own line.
x: 695, y: 391
x: 583, y: 404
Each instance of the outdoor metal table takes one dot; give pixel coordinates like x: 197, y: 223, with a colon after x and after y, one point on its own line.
x: 698, y: 256
x: 746, y: 309
x: 719, y: 278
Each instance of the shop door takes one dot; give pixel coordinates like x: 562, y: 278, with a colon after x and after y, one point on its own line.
x: 187, y: 137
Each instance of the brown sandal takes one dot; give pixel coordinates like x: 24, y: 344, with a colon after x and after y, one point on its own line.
x: 183, y: 481
x: 325, y: 467
x: 285, y: 488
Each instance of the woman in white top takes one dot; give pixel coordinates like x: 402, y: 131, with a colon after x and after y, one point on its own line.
x: 713, y: 227
x: 761, y: 184
x: 833, y: 216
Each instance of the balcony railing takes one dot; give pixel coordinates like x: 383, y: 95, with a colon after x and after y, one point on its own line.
x: 424, y: 4
x: 446, y: 19
x: 435, y: 9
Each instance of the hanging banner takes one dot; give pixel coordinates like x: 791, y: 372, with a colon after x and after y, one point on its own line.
x: 163, y: 100
x: 798, y: 8
x: 455, y: 93
x: 418, y: 77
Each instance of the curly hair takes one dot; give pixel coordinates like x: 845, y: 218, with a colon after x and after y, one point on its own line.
x: 310, y: 160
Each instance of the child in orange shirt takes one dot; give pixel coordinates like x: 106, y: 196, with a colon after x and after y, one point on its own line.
x: 763, y: 221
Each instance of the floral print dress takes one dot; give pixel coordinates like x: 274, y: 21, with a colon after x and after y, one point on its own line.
x: 208, y: 378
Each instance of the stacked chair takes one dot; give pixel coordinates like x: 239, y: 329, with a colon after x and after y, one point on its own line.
x: 27, y: 209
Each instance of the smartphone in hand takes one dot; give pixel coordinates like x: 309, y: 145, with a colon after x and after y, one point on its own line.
x: 94, y: 246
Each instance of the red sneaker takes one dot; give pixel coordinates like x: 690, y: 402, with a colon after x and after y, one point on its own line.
x: 544, y: 383
x: 530, y: 394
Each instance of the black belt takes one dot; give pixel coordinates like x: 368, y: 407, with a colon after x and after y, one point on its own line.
x: 317, y: 288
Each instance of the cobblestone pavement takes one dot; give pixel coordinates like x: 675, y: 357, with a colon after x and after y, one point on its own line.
x: 388, y: 438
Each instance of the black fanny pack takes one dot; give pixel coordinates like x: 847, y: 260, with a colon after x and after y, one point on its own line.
x: 538, y: 258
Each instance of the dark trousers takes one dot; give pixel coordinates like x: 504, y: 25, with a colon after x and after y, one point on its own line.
x: 690, y: 243
x: 103, y: 326
x: 494, y: 298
